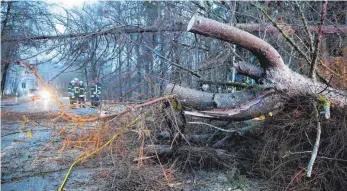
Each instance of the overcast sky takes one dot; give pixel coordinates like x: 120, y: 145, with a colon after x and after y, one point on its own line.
x: 70, y: 3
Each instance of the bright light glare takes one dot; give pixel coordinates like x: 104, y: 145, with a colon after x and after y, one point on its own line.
x: 45, y: 94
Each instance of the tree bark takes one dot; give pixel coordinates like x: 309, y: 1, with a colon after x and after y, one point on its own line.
x: 250, y: 70
x: 5, y: 65
x: 266, y: 54
x: 279, y: 82
x: 4, y: 24
x: 4, y: 76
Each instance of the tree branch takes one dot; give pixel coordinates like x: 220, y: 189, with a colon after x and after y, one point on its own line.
x: 285, y: 36
x: 192, y: 72
x: 237, y: 105
x: 113, y: 30
x: 317, y: 47
x: 325, y: 30
x: 267, y: 101
x: 176, y: 28
x: 234, y: 84
x: 266, y: 54
x: 269, y: 28
x: 205, y: 101
x: 250, y: 70
x: 254, y: 102
x: 303, y: 18
x: 316, y: 144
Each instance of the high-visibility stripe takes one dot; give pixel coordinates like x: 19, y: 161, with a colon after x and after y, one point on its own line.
x: 76, y: 89
x: 96, y: 89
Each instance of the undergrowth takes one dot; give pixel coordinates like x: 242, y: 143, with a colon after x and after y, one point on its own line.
x: 277, y: 149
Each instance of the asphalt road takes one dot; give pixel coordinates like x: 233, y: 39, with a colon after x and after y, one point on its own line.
x: 25, y: 105
x: 36, y: 162
x: 29, y: 151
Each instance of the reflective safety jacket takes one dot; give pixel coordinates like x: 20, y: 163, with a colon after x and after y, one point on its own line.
x: 76, y: 91
x: 96, y: 90
x: 82, y: 91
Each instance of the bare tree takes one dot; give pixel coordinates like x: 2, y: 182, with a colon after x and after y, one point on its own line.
x: 20, y: 20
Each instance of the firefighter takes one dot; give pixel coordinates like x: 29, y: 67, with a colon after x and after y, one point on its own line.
x: 95, y: 93
x: 82, y: 95
x: 70, y: 90
x: 75, y: 92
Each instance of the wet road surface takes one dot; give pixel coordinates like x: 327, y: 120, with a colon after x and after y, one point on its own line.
x: 29, y: 151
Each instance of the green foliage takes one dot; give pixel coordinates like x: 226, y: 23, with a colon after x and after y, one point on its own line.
x: 323, y: 105
x: 176, y: 105
x: 323, y: 101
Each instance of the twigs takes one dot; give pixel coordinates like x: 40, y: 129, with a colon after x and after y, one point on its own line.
x: 103, y: 32
x: 317, y: 45
x: 297, y: 174
x: 192, y: 72
x: 218, y: 128
x: 303, y: 18
x: 309, y: 61
x: 114, y: 137
x: 77, y: 118
x: 33, y: 70
x: 327, y: 85
x: 288, y: 135
x: 316, y: 144
x: 93, y: 142
x: 285, y: 36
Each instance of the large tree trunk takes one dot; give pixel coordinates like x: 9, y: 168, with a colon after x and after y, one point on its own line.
x: 5, y: 65
x: 93, y: 59
x: 4, y: 22
x: 4, y: 76
x: 279, y: 82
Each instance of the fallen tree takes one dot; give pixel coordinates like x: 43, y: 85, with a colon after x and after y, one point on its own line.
x: 279, y: 83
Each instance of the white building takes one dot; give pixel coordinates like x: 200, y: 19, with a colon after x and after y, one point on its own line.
x: 26, y: 82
